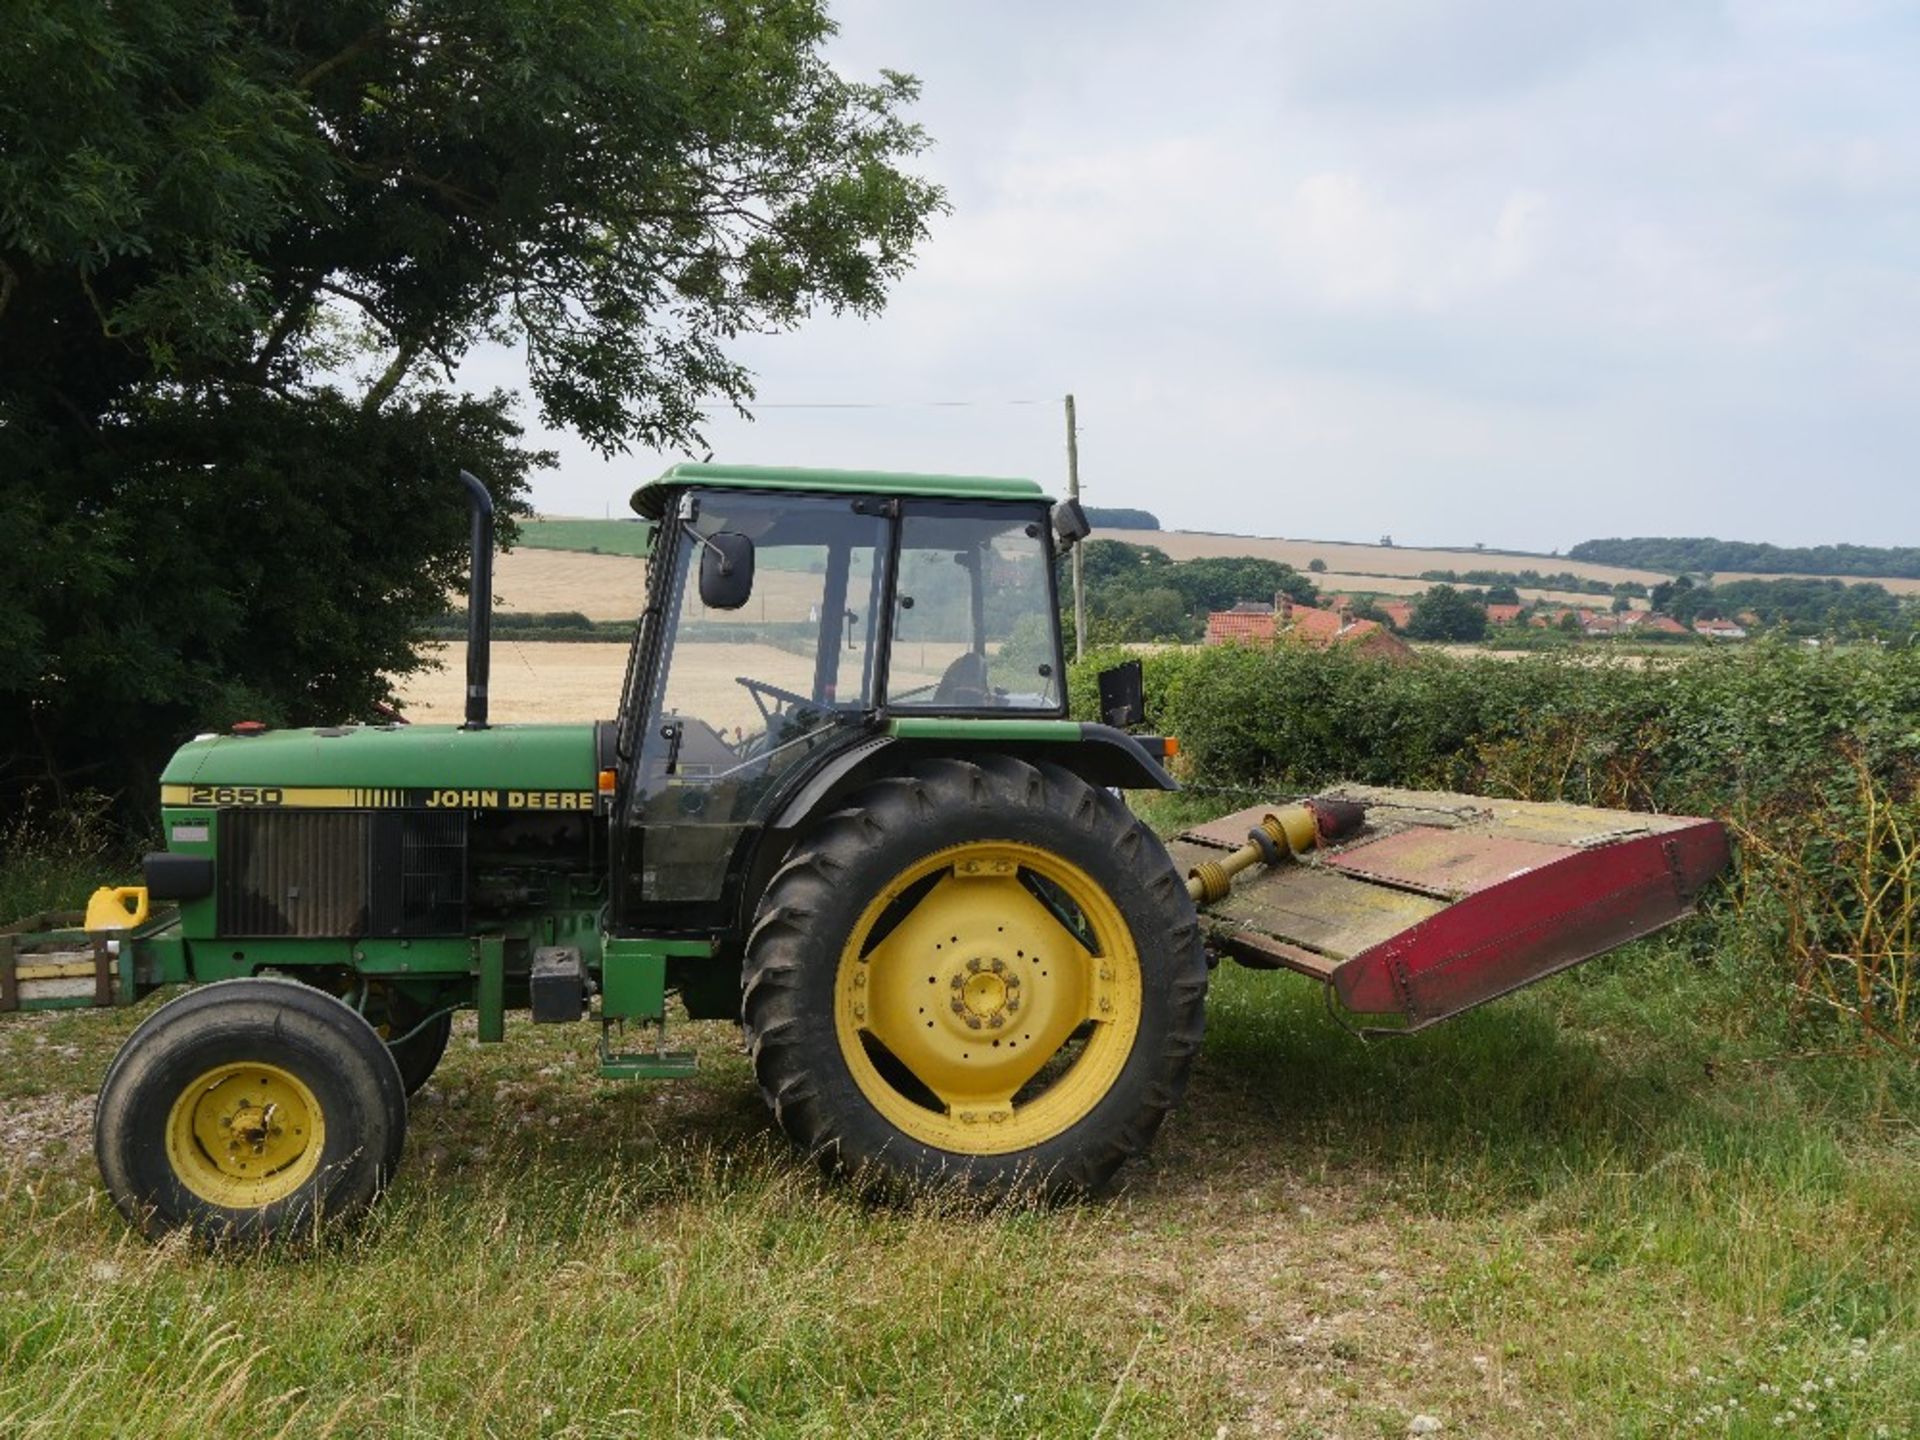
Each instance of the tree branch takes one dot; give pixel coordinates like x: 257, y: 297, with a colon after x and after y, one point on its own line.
x: 354, y: 51
x: 390, y: 378
x: 282, y: 331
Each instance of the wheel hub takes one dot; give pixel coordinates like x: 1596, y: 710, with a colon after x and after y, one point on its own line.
x: 252, y: 1126
x: 243, y: 1135
x: 985, y: 992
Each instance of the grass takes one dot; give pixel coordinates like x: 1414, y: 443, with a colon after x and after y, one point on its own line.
x: 1609, y: 1206
x: 600, y: 537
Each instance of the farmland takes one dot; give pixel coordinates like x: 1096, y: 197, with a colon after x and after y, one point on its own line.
x: 599, y: 577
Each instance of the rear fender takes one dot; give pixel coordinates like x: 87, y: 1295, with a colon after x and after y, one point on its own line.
x: 1098, y: 754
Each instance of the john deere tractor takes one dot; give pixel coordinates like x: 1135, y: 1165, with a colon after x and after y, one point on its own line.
x: 842, y: 802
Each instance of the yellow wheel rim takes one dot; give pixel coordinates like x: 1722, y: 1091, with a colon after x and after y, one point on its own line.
x: 243, y: 1136
x: 988, y: 997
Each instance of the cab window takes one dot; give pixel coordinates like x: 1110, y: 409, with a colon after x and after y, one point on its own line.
x: 974, y: 620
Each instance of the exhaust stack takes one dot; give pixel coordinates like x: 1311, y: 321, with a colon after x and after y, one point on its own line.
x: 479, y: 602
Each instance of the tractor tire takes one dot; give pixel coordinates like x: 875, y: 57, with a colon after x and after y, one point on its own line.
x: 254, y: 1109
x: 396, y: 1018
x: 419, y: 1055
x: 984, y: 973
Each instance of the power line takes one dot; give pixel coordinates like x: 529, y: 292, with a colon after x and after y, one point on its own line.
x: 876, y: 404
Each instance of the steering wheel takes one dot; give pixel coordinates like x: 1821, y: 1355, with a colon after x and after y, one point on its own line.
x: 758, y: 688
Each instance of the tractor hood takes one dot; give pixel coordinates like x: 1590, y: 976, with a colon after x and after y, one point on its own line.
x: 509, y: 763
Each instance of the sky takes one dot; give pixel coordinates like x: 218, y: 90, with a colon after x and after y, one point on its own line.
x: 1458, y: 271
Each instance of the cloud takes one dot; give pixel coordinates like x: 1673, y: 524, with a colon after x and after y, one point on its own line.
x: 1485, y: 270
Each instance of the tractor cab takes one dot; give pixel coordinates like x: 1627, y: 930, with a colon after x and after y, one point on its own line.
x: 790, y: 617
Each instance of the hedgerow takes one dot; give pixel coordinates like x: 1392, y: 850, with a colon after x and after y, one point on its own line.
x: 1812, y: 757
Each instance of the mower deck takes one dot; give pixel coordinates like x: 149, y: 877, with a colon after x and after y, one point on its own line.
x: 1443, y: 901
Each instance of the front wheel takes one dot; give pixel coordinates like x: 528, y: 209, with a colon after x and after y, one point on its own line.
x: 249, y: 1109
x: 984, y: 972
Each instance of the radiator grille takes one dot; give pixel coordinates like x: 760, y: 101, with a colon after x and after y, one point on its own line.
x: 341, y: 873
x: 419, y: 874
x: 283, y: 873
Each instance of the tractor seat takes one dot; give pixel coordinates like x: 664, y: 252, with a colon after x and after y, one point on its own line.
x: 965, y: 682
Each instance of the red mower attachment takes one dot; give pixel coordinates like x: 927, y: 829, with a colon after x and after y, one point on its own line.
x: 1423, y: 904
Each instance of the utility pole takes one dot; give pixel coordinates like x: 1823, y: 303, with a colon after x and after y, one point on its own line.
x: 1079, y: 579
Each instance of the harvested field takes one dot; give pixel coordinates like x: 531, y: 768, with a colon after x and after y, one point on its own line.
x: 608, y: 587
x: 1348, y: 559
x: 1894, y: 586
x: 1412, y: 585
x: 563, y: 680
x: 601, y: 587
x: 612, y: 587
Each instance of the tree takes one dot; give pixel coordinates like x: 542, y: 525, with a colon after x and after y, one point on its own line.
x: 1218, y: 582
x: 242, y: 250
x: 1155, y: 613
x: 1115, y: 518
x: 1502, y: 594
x: 1109, y: 562
x: 1443, y: 613
x: 1317, y: 566
x: 1667, y: 592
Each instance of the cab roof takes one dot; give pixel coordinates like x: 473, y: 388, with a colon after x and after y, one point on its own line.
x: 650, y: 500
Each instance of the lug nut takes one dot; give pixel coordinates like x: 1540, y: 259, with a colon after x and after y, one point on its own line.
x: 973, y: 966
x: 999, y: 966
x: 973, y: 1022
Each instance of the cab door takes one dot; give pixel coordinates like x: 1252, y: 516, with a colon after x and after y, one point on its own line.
x: 742, y: 702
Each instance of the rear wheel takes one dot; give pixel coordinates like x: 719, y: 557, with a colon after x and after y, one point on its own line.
x: 416, y: 1035
x: 418, y: 1042
x: 985, y: 972
x: 252, y: 1108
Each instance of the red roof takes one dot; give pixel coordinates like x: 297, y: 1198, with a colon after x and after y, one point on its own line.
x: 1719, y: 627
x: 1503, y: 614
x: 1238, y: 627
x: 1303, y: 624
x: 1663, y: 625
x: 1400, y: 612
x: 1321, y: 626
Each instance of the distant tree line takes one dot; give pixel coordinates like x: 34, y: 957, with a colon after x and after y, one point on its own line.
x: 1802, y: 607
x: 1705, y: 556
x: 1535, y: 580
x: 1103, y: 517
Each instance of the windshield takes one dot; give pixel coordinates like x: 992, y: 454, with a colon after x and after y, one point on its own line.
x: 973, y: 624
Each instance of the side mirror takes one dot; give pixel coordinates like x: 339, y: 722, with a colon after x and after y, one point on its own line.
x: 1123, y: 695
x: 726, y: 570
x: 1070, y: 524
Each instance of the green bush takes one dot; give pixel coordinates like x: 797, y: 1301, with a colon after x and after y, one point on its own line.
x: 1812, y: 757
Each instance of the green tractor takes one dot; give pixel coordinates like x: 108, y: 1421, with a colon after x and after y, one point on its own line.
x: 842, y: 802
